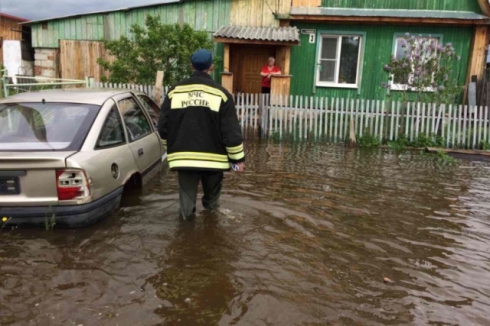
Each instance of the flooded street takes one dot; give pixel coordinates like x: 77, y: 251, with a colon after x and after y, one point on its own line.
x: 311, y: 234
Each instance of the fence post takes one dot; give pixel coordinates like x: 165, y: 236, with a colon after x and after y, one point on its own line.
x: 158, y: 87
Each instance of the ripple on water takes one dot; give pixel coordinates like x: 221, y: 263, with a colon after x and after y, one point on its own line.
x: 307, y: 236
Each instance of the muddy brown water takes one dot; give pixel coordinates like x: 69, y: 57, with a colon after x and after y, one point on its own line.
x: 305, y: 237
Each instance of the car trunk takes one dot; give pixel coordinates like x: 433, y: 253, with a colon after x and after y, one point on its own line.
x: 29, y: 178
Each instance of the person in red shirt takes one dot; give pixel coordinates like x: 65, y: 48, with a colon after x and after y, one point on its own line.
x: 267, y: 72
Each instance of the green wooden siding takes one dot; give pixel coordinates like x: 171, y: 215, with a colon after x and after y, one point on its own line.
x: 458, y: 5
x: 378, y: 51
x: 201, y: 15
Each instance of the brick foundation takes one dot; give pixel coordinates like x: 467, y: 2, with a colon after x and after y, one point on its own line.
x: 46, y: 64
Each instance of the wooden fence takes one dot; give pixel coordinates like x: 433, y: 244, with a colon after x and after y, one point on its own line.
x: 302, y: 118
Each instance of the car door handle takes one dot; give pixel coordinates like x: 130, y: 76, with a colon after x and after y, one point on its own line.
x: 140, y: 152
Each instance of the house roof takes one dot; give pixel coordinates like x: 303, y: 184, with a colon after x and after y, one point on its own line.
x: 387, y: 13
x: 268, y: 34
x: 7, y: 16
x: 164, y: 2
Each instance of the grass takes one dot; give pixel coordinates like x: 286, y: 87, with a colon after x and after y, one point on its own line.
x: 49, y: 220
x: 485, y: 146
x: 368, y: 140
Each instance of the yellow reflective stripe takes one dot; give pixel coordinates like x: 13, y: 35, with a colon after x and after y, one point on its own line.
x: 235, y: 149
x: 237, y: 156
x: 198, y: 164
x: 197, y: 156
x: 198, y: 87
x: 164, y: 142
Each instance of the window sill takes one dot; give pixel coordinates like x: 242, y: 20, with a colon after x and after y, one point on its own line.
x: 350, y: 86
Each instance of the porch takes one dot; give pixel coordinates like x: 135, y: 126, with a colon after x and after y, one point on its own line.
x: 246, y: 51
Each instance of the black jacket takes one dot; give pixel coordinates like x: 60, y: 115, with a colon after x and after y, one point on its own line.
x: 199, y: 123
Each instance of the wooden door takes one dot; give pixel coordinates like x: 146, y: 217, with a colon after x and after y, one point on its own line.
x: 78, y: 59
x: 246, y: 64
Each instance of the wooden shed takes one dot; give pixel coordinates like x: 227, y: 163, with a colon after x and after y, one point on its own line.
x: 11, y: 30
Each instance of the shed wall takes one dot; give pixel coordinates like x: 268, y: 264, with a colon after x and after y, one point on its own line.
x: 458, y: 5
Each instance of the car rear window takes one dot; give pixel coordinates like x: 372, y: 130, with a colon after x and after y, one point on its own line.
x: 45, y: 126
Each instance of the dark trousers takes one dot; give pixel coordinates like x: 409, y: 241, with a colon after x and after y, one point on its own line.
x: 212, y: 183
x: 266, y: 90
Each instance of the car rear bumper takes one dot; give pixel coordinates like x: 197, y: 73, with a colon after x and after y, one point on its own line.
x: 65, y: 216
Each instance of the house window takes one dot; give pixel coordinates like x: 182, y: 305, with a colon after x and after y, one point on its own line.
x: 403, y: 49
x: 339, y: 58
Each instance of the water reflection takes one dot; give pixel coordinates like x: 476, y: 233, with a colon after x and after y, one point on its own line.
x: 305, y: 237
x: 198, y: 263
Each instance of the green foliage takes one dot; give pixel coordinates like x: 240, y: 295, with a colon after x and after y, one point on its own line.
x: 426, y: 71
x: 485, y: 146
x: 368, y: 140
x: 276, y: 137
x: 399, y: 144
x: 427, y: 141
x: 152, y: 48
x: 49, y: 220
x: 442, y: 157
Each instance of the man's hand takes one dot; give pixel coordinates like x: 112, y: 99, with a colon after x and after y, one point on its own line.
x: 240, y: 167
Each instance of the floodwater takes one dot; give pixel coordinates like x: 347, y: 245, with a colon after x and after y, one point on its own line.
x: 309, y: 235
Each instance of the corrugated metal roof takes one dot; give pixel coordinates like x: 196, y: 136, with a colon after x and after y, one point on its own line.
x: 274, y: 34
x: 393, y: 13
x: 164, y: 2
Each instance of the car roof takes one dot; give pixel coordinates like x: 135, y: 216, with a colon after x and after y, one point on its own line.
x: 86, y: 96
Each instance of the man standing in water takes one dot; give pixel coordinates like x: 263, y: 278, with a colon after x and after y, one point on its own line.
x: 199, y: 124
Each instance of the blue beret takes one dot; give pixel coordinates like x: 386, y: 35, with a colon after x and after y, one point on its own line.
x: 202, y: 59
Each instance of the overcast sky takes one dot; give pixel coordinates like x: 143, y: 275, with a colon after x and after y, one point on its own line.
x: 40, y: 9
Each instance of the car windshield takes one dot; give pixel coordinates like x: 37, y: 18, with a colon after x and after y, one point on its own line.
x: 45, y: 126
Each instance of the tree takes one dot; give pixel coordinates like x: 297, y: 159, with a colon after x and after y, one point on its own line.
x: 154, y: 47
x: 424, y: 71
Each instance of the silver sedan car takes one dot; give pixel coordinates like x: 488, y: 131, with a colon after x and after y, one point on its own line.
x: 68, y: 155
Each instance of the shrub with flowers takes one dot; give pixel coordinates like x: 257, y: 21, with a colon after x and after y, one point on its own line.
x: 425, y: 72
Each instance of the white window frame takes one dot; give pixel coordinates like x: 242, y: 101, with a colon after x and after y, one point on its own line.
x: 336, y: 84
x: 404, y: 87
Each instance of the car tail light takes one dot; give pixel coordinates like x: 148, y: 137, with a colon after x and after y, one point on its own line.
x: 72, y: 184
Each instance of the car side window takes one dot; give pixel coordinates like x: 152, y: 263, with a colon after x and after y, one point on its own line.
x: 151, y: 107
x: 112, y: 133
x: 137, y: 125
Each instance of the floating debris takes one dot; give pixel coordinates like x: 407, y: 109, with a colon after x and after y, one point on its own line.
x: 387, y: 280
x: 188, y: 300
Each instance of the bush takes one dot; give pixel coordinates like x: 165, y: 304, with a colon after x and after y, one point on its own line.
x: 368, y: 140
x: 152, y: 48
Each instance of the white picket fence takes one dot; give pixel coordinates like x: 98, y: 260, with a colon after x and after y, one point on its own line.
x: 147, y: 89
x: 302, y: 118
x: 329, y: 119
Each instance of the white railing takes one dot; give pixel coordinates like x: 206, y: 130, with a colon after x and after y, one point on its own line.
x: 302, y: 118
x: 149, y: 90
x: 330, y: 119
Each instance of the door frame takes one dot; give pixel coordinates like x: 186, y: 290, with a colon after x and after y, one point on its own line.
x: 238, y: 59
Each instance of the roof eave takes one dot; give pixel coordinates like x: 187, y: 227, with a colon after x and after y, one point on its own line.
x: 31, y: 22
x: 389, y: 20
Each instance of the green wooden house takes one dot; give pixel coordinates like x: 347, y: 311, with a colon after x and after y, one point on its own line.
x: 334, y: 48
x: 346, y: 43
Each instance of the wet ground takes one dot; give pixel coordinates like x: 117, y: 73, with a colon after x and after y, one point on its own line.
x: 309, y: 235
